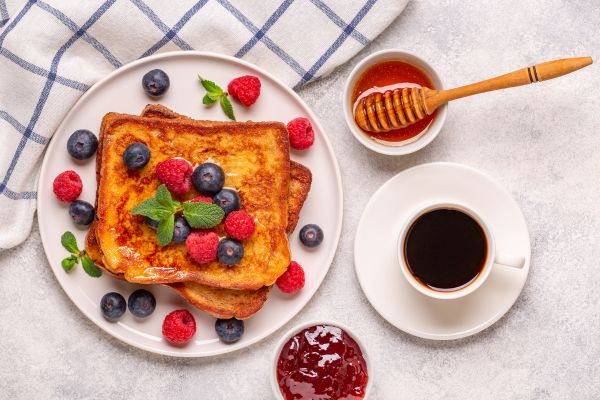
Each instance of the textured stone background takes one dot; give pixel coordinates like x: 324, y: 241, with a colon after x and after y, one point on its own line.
x: 540, y: 141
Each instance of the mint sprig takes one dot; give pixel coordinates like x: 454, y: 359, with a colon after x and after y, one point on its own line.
x: 213, y: 94
x: 163, y: 209
x: 69, y: 242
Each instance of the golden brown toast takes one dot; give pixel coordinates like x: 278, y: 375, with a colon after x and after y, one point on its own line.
x: 221, y: 303
x: 301, y: 177
x: 254, y: 156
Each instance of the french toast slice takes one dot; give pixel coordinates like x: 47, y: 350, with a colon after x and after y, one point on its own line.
x: 301, y: 177
x: 255, y: 157
x: 221, y: 303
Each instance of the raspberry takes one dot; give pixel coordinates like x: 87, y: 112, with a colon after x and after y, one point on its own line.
x: 301, y: 133
x: 245, y: 88
x: 67, y: 186
x: 176, y: 174
x: 179, y: 327
x: 239, y: 225
x: 201, y: 199
x: 292, y: 280
x: 202, y: 246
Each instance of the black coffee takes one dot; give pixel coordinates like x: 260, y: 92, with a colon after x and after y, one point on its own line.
x: 445, y: 249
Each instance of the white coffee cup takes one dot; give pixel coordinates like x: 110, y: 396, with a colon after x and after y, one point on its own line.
x: 493, y: 257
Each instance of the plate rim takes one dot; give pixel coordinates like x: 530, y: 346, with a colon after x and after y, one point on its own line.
x: 220, y: 57
x: 475, y: 329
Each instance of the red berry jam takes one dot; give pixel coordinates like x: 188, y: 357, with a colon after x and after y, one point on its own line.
x: 322, y: 362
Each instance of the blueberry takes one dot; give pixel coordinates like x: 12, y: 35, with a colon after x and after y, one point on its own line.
x: 141, y: 303
x: 81, y: 212
x: 112, y: 306
x: 155, y: 83
x: 136, y: 156
x: 229, y: 330
x: 152, y: 223
x: 311, y: 235
x: 181, y: 231
x: 230, y: 252
x: 208, y: 178
x: 82, y: 144
x: 228, y: 200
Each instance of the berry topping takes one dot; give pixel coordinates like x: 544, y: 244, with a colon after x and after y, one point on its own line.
x: 155, y: 83
x: 239, y: 225
x: 176, y: 174
x: 292, y: 280
x: 229, y: 330
x: 179, y: 327
x: 246, y: 89
x: 301, y: 133
x: 311, y: 235
x: 82, y: 144
x: 208, y: 178
x: 141, y: 303
x: 228, y: 200
x: 181, y: 230
x: 67, y: 186
x: 112, y: 306
x: 202, y: 246
x: 201, y: 199
x: 81, y: 212
x: 230, y: 252
x: 136, y: 156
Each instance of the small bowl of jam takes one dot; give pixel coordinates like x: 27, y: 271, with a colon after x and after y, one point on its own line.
x: 388, y: 70
x: 320, y: 360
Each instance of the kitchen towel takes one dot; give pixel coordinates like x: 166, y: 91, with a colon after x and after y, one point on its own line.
x: 51, y: 52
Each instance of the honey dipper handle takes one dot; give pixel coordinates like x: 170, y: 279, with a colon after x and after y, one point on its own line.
x: 536, y: 73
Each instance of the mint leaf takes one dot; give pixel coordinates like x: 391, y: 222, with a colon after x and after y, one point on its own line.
x: 210, y: 86
x: 69, y: 262
x: 165, y: 229
x: 69, y: 242
x: 208, y: 99
x: 146, y: 207
x: 202, y: 215
x: 227, y: 107
x: 89, y: 267
x: 163, y: 196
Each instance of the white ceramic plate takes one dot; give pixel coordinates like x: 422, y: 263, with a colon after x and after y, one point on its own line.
x: 121, y: 91
x: 376, y: 260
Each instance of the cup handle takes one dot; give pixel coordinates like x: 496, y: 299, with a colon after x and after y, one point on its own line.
x: 509, y: 260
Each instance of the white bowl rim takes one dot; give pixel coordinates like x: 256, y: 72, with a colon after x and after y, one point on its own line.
x: 304, y: 325
x: 401, y: 55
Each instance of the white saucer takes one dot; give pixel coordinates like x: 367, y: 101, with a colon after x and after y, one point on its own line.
x: 376, y: 262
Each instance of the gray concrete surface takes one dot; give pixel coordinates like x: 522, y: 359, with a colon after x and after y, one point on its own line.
x: 541, y: 142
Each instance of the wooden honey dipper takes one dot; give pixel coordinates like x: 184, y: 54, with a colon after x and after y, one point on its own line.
x: 393, y: 109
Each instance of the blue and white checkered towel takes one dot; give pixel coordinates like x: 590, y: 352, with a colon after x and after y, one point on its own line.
x: 51, y: 51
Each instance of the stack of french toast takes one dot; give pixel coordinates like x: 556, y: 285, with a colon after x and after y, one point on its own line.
x: 256, y: 159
